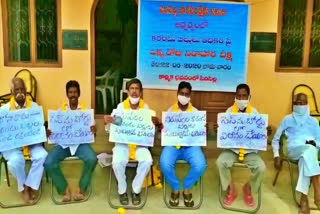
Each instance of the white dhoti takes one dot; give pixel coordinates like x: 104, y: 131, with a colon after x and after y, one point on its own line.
x: 119, y: 164
x: 16, y: 165
x: 308, y: 165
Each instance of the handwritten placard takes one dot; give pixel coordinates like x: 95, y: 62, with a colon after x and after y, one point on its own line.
x: 71, y: 127
x: 21, y: 128
x: 184, y: 129
x: 246, y: 131
x: 136, y: 128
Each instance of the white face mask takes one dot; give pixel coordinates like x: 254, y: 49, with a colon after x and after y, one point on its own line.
x: 183, y: 100
x: 242, y: 104
x: 300, y: 110
x: 134, y: 100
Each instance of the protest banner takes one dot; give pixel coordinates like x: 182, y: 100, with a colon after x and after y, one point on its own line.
x: 247, y: 131
x: 136, y: 128
x: 21, y: 128
x: 71, y: 127
x: 184, y: 129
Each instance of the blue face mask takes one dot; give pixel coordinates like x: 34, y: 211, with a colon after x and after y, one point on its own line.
x: 300, y: 110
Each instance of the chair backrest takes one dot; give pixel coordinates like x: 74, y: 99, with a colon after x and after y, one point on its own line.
x: 30, y: 81
x: 124, y: 83
x: 283, y: 146
x: 302, y: 88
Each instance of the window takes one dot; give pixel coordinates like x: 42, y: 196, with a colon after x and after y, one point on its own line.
x: 298, y: 38
x: 32, y: 33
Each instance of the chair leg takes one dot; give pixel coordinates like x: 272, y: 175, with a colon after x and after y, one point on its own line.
x: 2, y: 205
x: 276, y: 178
x: 105, y: 103
x: 220, y: 193
x: 133, y: 207
x: 277, y: 175
x: 7, y: 172
x: 47, y: 176
x: 183, y: 207
x: 293, y: 188
x: 112, y: 96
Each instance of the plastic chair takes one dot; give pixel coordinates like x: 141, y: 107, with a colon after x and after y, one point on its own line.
x: 197, y: 206
x: 104, y: 79
x: 284, y: 157
x: 239, y: 165
x: 124, y: 89
x: 2, y: 205
x: 302, y: 88
x: 132, y: 207
x: 89, y: 191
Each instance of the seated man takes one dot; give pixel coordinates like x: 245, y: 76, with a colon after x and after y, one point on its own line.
x: 303, y: 135
x: 193, y: 155
x: 251, y: 157
x: 15, y: 157
x: 82, y: 151
x: 121, y: 152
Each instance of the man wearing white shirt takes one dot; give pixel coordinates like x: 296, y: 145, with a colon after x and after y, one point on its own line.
x: 123, y: 152
x: 303, y: 138
x: 250, y: 157
x: 15, y: 157
x: 82, y: 151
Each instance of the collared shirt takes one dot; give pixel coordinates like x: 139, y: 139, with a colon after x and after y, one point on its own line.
x: 297, y: 132
x: 19, y: 107
x: 254, y: 111
x: 73, y: 148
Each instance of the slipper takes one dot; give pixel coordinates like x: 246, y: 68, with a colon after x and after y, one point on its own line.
x: 228, y: 200
x: 248, y: 199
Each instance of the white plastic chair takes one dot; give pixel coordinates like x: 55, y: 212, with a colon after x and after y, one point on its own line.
x: 109, y: 75
x: 124, y: 88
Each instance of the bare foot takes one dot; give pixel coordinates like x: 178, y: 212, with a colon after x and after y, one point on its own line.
x: 67, y: 195
x: 304, y: 205
x: 25, y: 195
x: 78, y: 196
x: 32, y: 195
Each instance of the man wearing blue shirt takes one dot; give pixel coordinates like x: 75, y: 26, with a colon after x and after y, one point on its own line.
x: 303, y: 135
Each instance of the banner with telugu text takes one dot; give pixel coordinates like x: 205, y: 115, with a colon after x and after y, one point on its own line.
x: 203, y: 43
x: 71, y: 127
x: 136, y: 128
x: 184, y: 129
x: 21, y: 128
x: 248, y: 131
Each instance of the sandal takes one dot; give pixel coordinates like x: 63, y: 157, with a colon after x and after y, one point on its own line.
x: 188, y: 201
x: 174, y: 200
x: 248, y: 199
x: 228, y: 200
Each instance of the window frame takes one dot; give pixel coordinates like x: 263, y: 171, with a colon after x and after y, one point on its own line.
x: 306, y: 47
x: 33, y: 36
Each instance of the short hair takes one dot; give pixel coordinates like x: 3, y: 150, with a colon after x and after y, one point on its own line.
x: 16, y: 79
x: 134, y: 81
x: 297, y: 96
x: 183, y: 85
x: 72, y: 83
x: 243, y: 86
